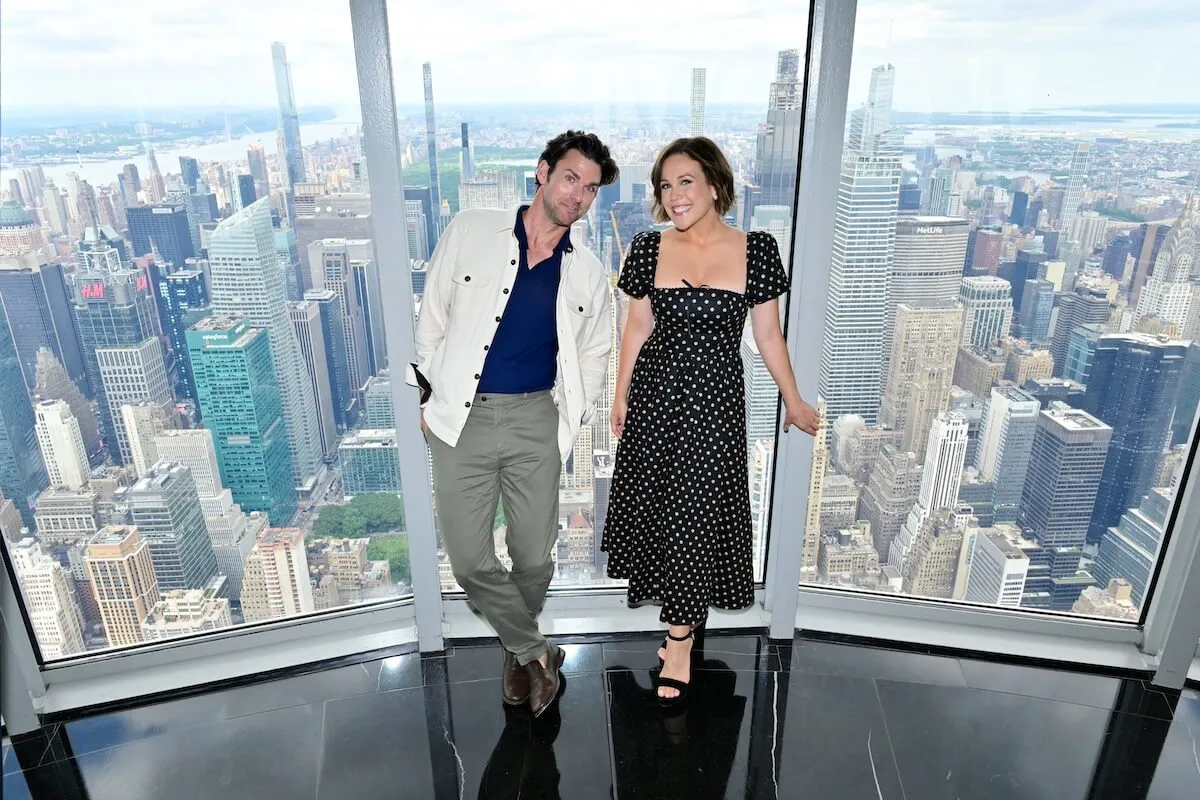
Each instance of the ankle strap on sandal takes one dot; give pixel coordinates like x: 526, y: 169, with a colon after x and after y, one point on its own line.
x: 690, y: 635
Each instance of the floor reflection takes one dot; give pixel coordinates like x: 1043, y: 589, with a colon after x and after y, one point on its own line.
x: 523, y: 765
x: 686, y: 751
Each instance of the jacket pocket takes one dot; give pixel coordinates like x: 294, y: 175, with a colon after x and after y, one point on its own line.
x: 468, y: 277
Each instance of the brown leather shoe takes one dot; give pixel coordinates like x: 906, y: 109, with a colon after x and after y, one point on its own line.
x: 514, y: 683
x: 545, y: 682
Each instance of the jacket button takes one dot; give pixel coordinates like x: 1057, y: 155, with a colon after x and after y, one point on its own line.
x: 512, y: 261
x: 497, y: 319
x: 581, y: 309
x: 506, y: 291
x: 468, y: 404
x: 476, y: 376
x: 487, y: 347
x: 467, y: 278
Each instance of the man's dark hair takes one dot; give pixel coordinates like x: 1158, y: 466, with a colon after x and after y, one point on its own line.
x: 589, y: 145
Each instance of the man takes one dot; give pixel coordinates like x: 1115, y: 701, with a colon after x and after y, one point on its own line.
x: 512, y: 348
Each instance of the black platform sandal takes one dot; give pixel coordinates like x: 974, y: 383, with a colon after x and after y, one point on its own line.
x: 696, y: 635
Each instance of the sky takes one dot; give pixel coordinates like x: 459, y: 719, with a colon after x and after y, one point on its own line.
x: 1012, y: 55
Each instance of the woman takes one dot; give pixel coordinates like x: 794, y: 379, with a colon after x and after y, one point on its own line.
x: 678, y: 524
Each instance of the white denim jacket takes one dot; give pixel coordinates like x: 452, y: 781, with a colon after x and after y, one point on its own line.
x: 467, y: 287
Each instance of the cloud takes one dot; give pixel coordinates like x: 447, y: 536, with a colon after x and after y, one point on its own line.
x: 1010, y: 55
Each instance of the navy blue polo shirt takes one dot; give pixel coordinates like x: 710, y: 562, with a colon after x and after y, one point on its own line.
x: 524, y: 353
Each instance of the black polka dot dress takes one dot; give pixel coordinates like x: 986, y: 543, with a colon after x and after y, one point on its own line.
x: 678, y: 522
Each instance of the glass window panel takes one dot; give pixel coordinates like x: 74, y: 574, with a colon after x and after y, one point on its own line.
x: 493, y: 108
x: 193, y: 374
x: 1023, y: 234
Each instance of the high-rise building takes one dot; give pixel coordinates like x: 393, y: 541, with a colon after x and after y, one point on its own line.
x: 66, y: 517
x: 194, y: 449
x: 416, y: 227
x: 131, y: 184
x: 185, y: 612
x: 369, y: 462
x: 183, y: 301
x: 246, y: 191
x: 1115, y: 601
x: 292, y: 155
x: 1168, y: 294
x: 332, y: 270
x: 306, y: 318
x: 240, y: 398
x: 977, y: 370
x: 38, y: 307
x: 431, y: 146
x: 133, y: 375
x: 985, y: 258
x: 778, y: 144
x: 1088, y: 230
x: 998, y: 571
x: 22, y: 473
x: 924, y: 348
x: 696, y: 114
x: 379, y: 410
x: 940, y: 479
x: 256, y: 157
x: 987, y: 310
x: 1073, y: 198
x: 1188, y: 398
x: 277, y: 583
x: 370, y: 297
x: 941, y: 188
x: 164, y: 229
x: 1147, y: 241
x: 762, y: 395
x: 343, y: 396
x: 1132, y: 387
x: 1006, y: 437
x: 189, y: 169
x: 1075, y: 310
x: 61, y: 444
x: 1066, y: 463
x: 1130, y: 550
x: 57, y: 215
x: 142, y: 422
x: 926, y: 268
x: 852, y: 354
x: 1036, y: 308
x: 49, y: 596
x: 53, y: 384
x: 930, y: 568
x: 121, y: 574
x: 246, y: 282
x: 165, y: 507
x: 848, y: 557
x: 1116, y: 255
x: 114, y: 309
x: 467, y: 159
x: 1026, y: 363
x: 811, y: 546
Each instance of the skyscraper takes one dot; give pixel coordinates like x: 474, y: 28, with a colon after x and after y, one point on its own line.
x: 696, y: 114
x: 369, y: 463
x: 921, y: 370
x: 38, y: 306
x: 987, y: 310
x: 53, y: 384
x: 927, y: 268
x: 762, y: 395
x: 1006, y: 436
x: 1168, y: 294
x: 331, y: 267
x: 121, y: 574
x: 49, y: 600
x: 1074, y: 194
x: 119, y: 333
x: 343, y: 396
x: 240, y: 397
x: 414, y: 219
x: 61, y: 444
x: 811, y: 546
x: 860, y: 274
x: 779, y: 137
x: 256, y: 157
x: 131, y: 184
x: 1036, y: 308
x: 1116, y: 254
x: 1075, y: 310
x: 247, y: 193
x: 133, y: 375
x: 189, y: 168
x: 1132, y: 387
x: 306, y: 318
x: 998, y: 571
x: 940, y: 479
x: 431, y: 140
x: 467, y: 161
x: 379, y: 410
x: 277, y: 583
x: 143, y: 422
x: 166, y: 510
x: 246, y: 281
x: 183, y: 301
x: 1088, y: 230
x: 1147, y: 241
x: 161, y: 228
x: 893, y: 488
x: 292, y: 156
x: 1130, y: 550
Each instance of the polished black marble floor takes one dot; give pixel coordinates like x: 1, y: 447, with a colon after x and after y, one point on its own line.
x: 806, y: 719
